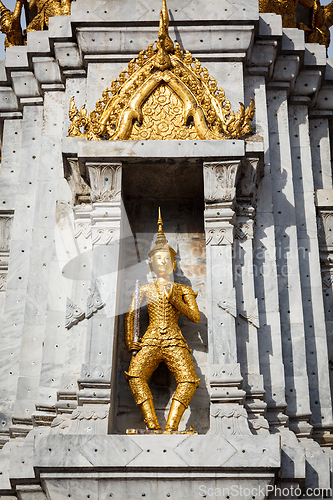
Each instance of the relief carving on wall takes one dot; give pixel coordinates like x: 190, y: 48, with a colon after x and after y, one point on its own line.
x: 166, y: 94
x: 6, y: 221
x: 105, y: 181
x: 220, y: 181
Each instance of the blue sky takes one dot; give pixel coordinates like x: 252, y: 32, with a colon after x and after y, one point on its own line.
x: 10, y: 4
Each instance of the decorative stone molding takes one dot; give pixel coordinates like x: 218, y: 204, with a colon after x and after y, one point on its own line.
x: 82, y: 228
x: 228, y: 420
x: 77, y: 181
x: 94, y: 302
x: 3, y: 280
x: 73, y: 314
x: 95, y: 373
x: 220, y: 181
x: 6, y: 223
x: 259, y: 426
x: 103, y: 236
x: 83, y: 420
x: 105, y: 180
x: 229, y: 304
x: 215, y: 236
x: 325, y: 225
x: 244, y: 230
x: 327, y: 279
x: 94, y: 385
x: 67, y: 400
x: 251, y: 315
x: 225, y: 382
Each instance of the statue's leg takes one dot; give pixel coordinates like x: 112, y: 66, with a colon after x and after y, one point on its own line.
x: 142, y: 366
x: 179, y: 362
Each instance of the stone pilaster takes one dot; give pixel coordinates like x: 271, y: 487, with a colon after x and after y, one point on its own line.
x: 265, y: 276
x: 288, y: 266
x: 95, y: 379
x: 247, y: 305
x: 309, y: 263
x: 225, y: 380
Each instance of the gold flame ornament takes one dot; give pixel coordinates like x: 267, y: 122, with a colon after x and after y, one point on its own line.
x: 163, y: 94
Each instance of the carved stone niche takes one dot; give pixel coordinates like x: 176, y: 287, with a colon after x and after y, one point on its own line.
x: 78, y: 180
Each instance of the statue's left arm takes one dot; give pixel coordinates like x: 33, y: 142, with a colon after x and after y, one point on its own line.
x: 185, y: 303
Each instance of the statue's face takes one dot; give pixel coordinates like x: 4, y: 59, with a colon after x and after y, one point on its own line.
x: 162, y: 263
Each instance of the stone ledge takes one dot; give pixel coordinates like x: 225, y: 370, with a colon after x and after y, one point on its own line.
x: 157, y: 451
x: 97, y: 150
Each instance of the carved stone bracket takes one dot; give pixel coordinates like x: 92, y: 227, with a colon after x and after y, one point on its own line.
x: 73, y: 314
x: 220, y: 192
x: 94, y: 302
x: 77, y: 181
x: 105, y: 180
x: 259, y: 426
x: 220, y: 181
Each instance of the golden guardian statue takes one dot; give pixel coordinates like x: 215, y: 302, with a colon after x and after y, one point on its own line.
x: 163, y: 340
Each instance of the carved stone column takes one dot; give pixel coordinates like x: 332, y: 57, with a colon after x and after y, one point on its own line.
x: 225, y: 379
x: 247, y: 306
x: 6, y: 220
x: 95, y: 380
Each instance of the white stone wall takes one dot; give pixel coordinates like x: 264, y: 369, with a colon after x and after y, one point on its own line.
x: 260, y: 258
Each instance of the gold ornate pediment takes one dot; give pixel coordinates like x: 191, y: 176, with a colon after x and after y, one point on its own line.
x: 164, y: 93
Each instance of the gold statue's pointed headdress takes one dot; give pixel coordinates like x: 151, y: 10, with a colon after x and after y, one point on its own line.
x: 161, y: 241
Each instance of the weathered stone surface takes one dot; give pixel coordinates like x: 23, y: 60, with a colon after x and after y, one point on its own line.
x: 242, y: 216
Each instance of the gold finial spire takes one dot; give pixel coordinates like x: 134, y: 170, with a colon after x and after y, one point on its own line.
x: 161, y: 241
x: 164, y: 44
x: 159, y: 221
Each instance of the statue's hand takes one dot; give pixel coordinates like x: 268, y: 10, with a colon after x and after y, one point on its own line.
x: 169, y: 291
x: 135, y: 346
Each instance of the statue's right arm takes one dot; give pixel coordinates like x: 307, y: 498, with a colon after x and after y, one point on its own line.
x: 129, y: 320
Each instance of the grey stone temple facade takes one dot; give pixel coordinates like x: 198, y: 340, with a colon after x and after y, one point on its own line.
x: 251, y: 219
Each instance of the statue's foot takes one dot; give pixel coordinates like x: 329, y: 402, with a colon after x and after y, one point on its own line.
x: 154, y: 427
x: 149, y: 416
x: 175, y: 414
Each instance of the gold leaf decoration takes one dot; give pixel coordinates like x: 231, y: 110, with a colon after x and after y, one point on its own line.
x: 163, y: 94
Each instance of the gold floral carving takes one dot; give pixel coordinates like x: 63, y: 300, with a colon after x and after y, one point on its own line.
x: 193, y: 106
x: 163, y: 118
